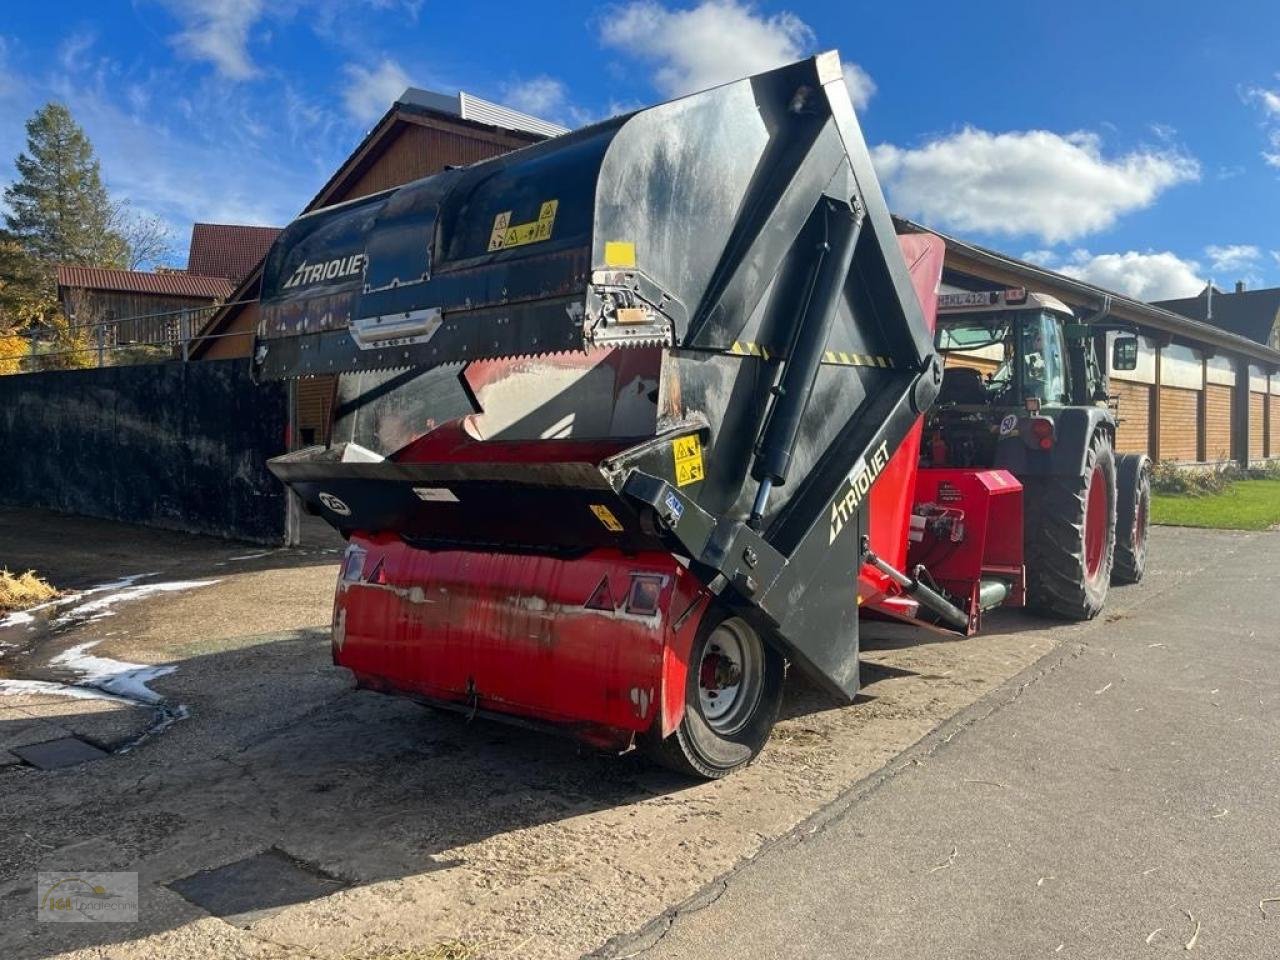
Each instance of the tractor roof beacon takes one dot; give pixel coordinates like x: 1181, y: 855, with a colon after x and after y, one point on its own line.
x: 628, y: 419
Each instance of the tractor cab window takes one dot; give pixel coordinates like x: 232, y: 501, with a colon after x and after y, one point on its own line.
x: 1026, y: 348
x: 1043, y: 366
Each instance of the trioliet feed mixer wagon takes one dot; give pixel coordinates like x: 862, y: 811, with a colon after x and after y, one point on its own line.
x: 628, y: 419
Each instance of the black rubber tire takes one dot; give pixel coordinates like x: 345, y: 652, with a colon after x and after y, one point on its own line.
x: 1133, y: 517
x: 695, y: 749
x: 1058, y: 584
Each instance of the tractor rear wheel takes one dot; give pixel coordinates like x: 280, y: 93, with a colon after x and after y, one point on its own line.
x: 731, y: 702
x: 1133, y: 517
x: 1069, y: 536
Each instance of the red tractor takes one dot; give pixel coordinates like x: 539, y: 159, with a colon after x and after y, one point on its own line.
x: 629, y: 419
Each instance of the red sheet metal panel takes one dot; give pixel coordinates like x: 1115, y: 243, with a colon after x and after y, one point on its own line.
x: 891, y: 497
x: 564, y: 641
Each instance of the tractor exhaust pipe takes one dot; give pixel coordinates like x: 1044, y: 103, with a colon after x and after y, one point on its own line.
x: 926, y: 596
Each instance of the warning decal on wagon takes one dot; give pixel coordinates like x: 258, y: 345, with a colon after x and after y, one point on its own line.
x: 507, y: 234
x: 687, y: 452
x: 605, y: 516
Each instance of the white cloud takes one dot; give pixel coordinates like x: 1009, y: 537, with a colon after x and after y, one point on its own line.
x: 1041, y: 258
x: 860, y: 84
x: 1273, y: 158
x: 369, y: 93
x: 1233, y: 257
x: 218, y: 31
x: 715, y: 42
x: 1269, y: 101
x: 1275, y: 255
x: 1148, y: 275
x: 547, y: 98
x: 1026, y: 183
x: 72, y: 50
x: 540, y: 96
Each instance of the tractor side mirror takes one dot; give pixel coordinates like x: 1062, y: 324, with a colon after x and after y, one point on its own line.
x: 1124, y: 353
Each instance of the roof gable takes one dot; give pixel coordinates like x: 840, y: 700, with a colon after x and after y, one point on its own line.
x: 1248, y: 313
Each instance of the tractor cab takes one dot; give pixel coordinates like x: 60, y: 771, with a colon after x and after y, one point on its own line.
x: 1013, y: 361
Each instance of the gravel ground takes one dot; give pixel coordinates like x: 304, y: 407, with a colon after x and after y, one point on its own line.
x: 514, y: 842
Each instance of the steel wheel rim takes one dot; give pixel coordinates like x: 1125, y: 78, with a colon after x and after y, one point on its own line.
x: 1140, y: 531
x: 1095, y: 523
x: 730, y: 676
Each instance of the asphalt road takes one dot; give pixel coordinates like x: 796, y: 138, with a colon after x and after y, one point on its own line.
x: 1109, y: 802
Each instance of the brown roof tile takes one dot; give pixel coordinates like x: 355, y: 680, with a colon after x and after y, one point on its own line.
x: 227, y: 249
x: 139, y: 281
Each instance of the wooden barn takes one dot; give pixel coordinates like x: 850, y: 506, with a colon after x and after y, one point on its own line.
x: 136, y: 306
x: 164, y: 306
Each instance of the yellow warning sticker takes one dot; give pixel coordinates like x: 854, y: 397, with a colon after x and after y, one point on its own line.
x: 687, y: 452
x: 507, y: 234
x: 606, y: 517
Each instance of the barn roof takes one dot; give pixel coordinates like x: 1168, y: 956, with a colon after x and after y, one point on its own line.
x: 172, y: 284
x: 228, y: 249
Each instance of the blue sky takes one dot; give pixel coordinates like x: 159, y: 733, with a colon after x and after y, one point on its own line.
x: 1134, y: 144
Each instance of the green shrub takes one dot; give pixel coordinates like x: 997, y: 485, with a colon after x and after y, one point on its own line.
x: 1167, y: 477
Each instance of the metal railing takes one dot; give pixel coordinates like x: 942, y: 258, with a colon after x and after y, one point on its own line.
x: 166, y: 336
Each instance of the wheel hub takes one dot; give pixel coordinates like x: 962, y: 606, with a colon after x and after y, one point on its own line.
x: 730, y: 676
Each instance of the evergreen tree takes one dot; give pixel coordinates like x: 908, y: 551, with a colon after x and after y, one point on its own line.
x: 59, y: 209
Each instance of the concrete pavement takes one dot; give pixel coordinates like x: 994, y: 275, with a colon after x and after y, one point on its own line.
x: 1120, y: 798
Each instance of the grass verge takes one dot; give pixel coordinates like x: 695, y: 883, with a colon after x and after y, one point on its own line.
x: 1244, y: 505
x: 25, y: 590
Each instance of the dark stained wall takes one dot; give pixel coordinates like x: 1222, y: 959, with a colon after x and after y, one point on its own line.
x: 172, y: 445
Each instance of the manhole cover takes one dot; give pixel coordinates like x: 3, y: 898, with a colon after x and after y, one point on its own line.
x: 255, y: 887
x: 53, y: 754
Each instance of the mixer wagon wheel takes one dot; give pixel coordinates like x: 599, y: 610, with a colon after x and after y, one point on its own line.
x: 731, y: 701
x: 1069, y: 536
x: 1133, y: 517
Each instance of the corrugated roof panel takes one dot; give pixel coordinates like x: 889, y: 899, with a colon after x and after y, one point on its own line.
x: 482, y: 111
x: 139, y: 281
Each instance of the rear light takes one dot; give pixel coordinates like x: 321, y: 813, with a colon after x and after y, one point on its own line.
x: 353, y: 563
x: 646, y: 589
x: 1041, y: 432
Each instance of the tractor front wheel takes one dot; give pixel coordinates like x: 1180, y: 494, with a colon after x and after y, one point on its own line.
x: 1133, y: 517
x: 1069, y: 536
x: 732, y: 697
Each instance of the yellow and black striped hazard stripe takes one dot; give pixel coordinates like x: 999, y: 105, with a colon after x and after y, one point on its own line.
x: 837, y: 358
x: 842, y: 358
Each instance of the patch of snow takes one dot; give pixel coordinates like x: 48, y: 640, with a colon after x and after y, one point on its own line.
x: 57, y: 689
x: 128, y: 680
x: 122, y: 592
x: 25, y: 616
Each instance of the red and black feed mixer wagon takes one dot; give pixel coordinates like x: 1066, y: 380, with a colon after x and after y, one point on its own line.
x: 627, y: 420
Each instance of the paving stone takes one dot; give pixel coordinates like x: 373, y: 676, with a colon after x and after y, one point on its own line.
x: 256, y: 887
x: 55, y: 754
